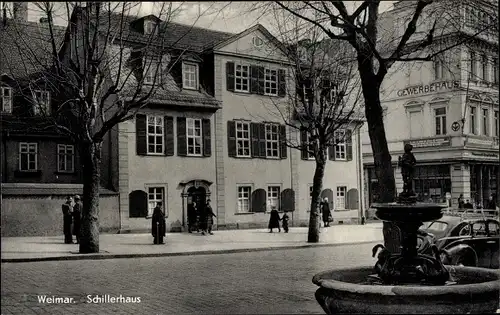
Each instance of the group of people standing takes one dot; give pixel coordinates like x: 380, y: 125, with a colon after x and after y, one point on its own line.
x: 72, y: 218
x: 200, y: 218
x: 490, y: 204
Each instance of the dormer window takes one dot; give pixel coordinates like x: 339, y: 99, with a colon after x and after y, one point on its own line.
x: 6, y: 100
x: 149, y: 27
x: 41, y: 102
x: 190, y: 76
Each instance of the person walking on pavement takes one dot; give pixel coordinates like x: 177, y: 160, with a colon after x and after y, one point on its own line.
x: 67, y: 210
x: 274, y: 220
x: 209, y: 217
x: 158, y: 224
x: 77, y: 218
x: 192, y: 213
x: 325, y: 211
x: 285, y: 220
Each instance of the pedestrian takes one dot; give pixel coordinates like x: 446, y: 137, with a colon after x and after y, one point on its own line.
x: 209, y: 217
x: 192, y: 213
x: 285, y: 220
x: 67, y: 210
x: 77, y: 218
x: 492, y: 203
x: 468, y: 205
x: 461, y: 201
x: 274, y: 220
x: 325, y: 210
x: 158, y: 224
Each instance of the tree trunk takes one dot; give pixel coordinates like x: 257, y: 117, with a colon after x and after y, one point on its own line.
x: 90, y: 154
x: 314, y: 222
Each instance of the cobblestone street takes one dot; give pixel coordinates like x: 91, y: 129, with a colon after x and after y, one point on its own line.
x: 273, y: 282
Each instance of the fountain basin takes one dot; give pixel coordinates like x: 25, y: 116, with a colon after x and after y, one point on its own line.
x: 348, y: 291
x: 418, y: 212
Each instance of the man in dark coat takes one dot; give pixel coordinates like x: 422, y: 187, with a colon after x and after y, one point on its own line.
x: 77, y: 218
x: 192, y: 212
x: 492, y: 203
x: 468, y: 205
x: 158, y: 224
x: 461, y: 201
x: 325, y: 210
x: 274, y: 220
x: 209, y: 217
x: 67, y: 210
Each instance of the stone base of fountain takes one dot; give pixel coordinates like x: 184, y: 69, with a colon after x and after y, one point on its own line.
x: 470, y: 291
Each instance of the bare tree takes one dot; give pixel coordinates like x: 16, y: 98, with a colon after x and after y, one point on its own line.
x: 323, y: 108
x: 100, y: 73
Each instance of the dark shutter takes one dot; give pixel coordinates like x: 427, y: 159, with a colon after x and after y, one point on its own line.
x: 138, y: 204
x: 261, y: 80
x: 141, y: 134
x: 303, y: 143
x: 258, y: 202
x: 230, y: 76
x: 262, y: 140
x: 283, y: 147
x: 254, y: 137
x: 331, y: 153
x: 181, y: 136
x: 231, y: 138
x: 281, y: 82
x: 348, y: 144
x: 207, y: 139
x: 254, y: 79
x: 287, y: 200
x: 169, y: 135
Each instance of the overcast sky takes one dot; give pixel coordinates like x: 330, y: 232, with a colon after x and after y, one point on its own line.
x: 226, y: 16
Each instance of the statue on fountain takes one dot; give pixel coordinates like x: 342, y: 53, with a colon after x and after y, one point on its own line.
x: 407, y: 164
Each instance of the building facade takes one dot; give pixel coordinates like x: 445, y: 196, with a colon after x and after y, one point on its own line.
x: 446, y: 108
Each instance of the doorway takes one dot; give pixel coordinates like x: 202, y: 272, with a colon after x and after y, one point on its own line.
x: 198, y: 195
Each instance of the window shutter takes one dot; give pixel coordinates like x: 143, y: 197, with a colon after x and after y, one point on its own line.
x: 258, y: 202
x: 231, y: 138
x: 181, y: 136
x: 331, y: 153
x: 254, y: 79
x: 281, y: 82
x: 287, y: 200
x: 348, y: 144
x: 207, y: 139
x: 141, y: 134
x: 138, y: 204
x: 303, y: 143
x: 262, y: 140
x: 169, y: 135
x: 283, y: 147
x: 230, y: 76
x: 254, y: 137
x: 261, y: 80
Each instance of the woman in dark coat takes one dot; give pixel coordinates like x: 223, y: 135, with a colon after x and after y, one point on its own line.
x: 77, y: 218
x: 158, y: 224
x: 274, y: 220
x: 325, y: 210
x: 67, y: 209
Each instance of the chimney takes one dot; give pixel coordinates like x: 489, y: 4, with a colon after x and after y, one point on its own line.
x: 20, y: 11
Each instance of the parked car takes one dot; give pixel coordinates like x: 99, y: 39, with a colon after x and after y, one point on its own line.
x: 463, y: 240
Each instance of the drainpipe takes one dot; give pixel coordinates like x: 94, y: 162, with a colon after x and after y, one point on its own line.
x: 291, y: 182
x: 360, y: 177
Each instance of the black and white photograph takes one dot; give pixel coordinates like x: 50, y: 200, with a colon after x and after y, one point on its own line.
x: 250, y: 157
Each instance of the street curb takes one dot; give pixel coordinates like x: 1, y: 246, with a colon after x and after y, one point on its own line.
x: 194, y: 253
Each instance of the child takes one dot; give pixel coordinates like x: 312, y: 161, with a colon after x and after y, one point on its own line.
x: 285, y: 219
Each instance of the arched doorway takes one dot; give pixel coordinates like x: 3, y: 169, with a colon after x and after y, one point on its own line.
x: 198, y: 195
x: 194, y: 191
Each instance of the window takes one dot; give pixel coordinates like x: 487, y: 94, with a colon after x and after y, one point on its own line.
x: 271, y: 82
x: 190, y: 76
x: 472, y: 122
x: 272, y: 140
x: 495, y: 118
x: 485, y: 125
x: 41, y: 103
x: 495, y: 70
x: 484, y: 68
x: 241, y: 78
x: 149, y: 27
x: 244, y: 193
x: 194, y: 138
x: 151, y: 69
x: 340, y: 201
x: 273, y: 197
x: 257, y: 41
x: 6, y: 98
x: 242, y: 139
x: 438, y: 69
x: 155, y: 134
x: 65, y: 158
x: 473, y: 65
x: 440, y: 116
x: 28, y: 158
x: 340, y: 145
x: 155, y: 195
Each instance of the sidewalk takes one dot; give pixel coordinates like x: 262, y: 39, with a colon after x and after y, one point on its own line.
x: 23, y: 249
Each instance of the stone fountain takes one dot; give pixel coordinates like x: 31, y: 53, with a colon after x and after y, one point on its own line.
x: 406, y: 282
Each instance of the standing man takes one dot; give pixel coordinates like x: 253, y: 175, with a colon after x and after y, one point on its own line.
x: 209, y: 215
x: 325, y: 210
x: 461, y: 201
x: 67, y: 210
x: 192, y: 213
x: 77, y: 218
x: 158, y: 224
